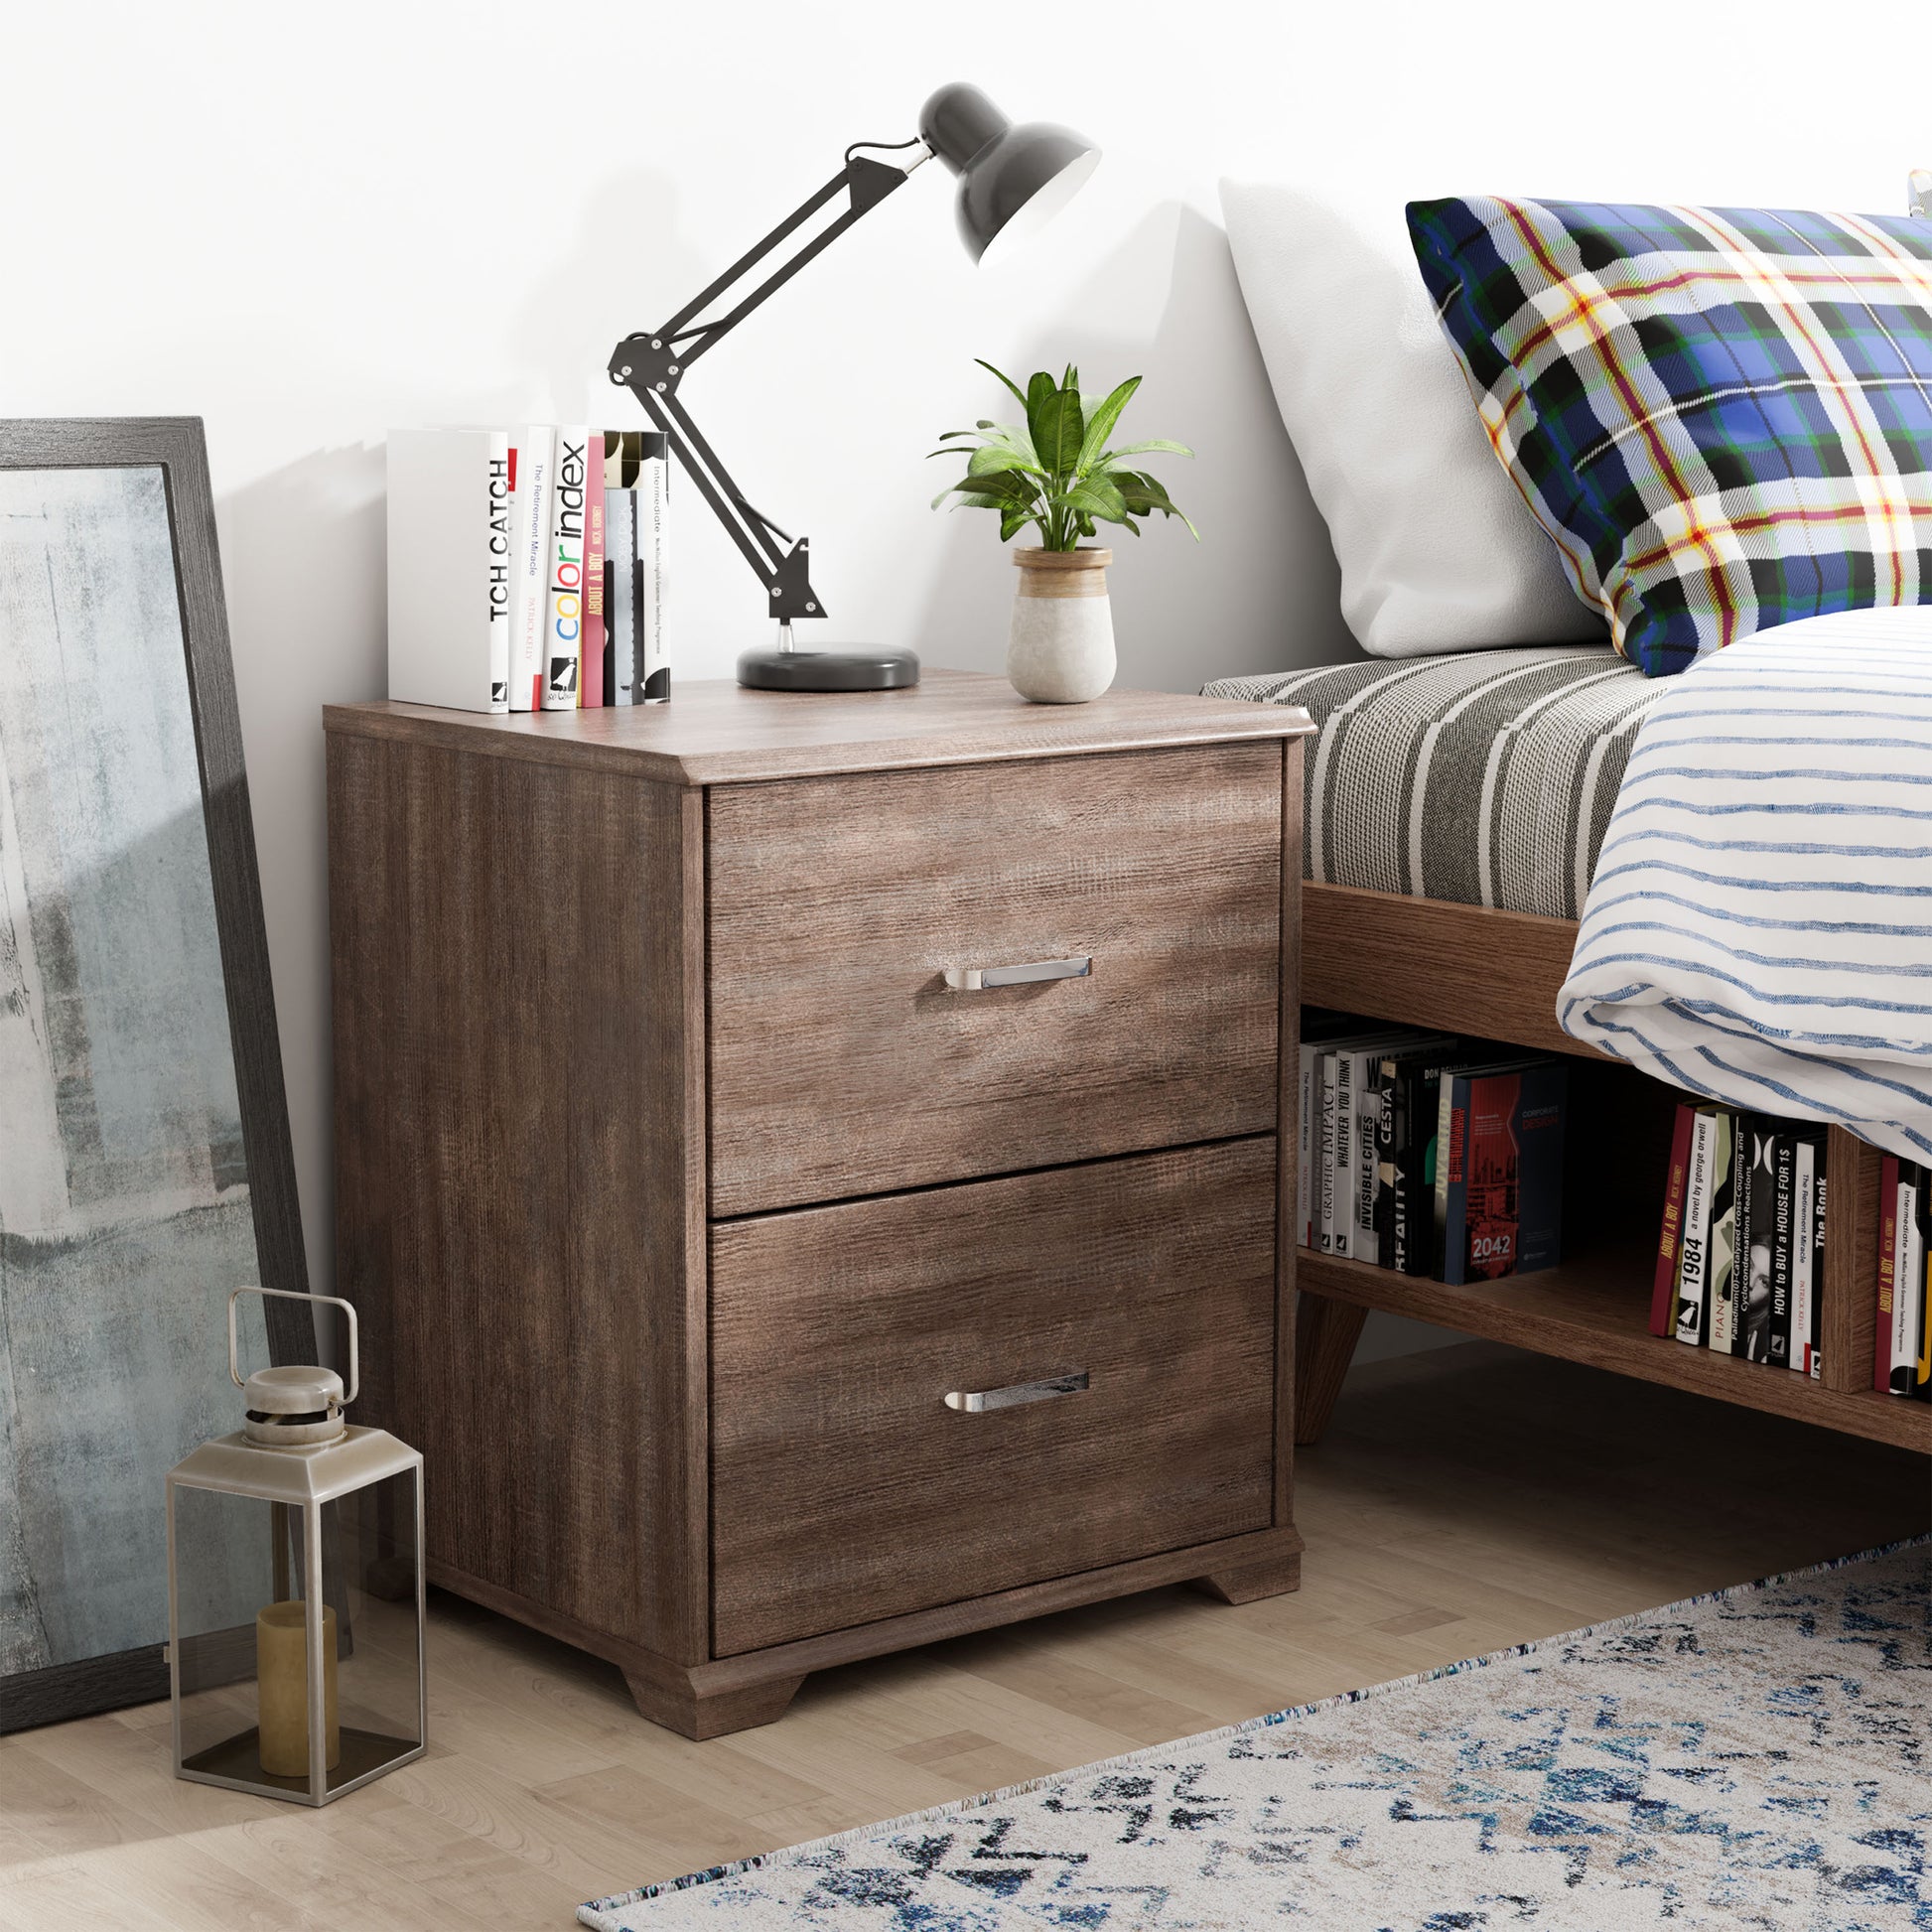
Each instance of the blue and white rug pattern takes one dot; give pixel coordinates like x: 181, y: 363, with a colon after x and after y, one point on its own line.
x: 1761, y: 1757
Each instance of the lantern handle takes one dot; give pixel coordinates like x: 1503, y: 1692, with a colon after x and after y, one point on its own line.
x: 290, y: 1295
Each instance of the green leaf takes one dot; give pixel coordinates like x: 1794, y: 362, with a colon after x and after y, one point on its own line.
x: 990, y: 459
x: 1004, y: 377
x: 1152, y: 442
x: 1100, y: 425
x: 1011, y: 522
x: 1055, y: 421
x: 1145, y: 494
x: 1098, y: 497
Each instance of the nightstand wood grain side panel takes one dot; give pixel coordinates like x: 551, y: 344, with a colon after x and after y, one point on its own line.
x: 520, y: 1180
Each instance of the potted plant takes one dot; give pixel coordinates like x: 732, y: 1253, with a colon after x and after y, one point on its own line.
x: 1056, y: 471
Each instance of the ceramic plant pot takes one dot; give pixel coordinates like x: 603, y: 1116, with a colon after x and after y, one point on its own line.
x: 1061, y: 647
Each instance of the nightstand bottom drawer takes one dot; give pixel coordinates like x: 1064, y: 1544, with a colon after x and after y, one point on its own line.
x: 937, y: 1396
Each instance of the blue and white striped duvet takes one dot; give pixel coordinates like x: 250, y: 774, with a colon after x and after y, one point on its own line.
x: 1759, y: 926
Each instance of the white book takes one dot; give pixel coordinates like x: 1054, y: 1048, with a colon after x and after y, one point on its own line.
x: 1802, y: 1170
x: 450, y: 537
x: 562, y: 648
x: 620, y: 598
x: 1908, y: 1284
x: 653, y: 517
x: 1694, y: 1253
x: 536, y: 458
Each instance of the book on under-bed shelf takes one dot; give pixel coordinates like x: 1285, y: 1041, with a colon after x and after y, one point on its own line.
x: 1741, y: 1247
x: 1380, y: 1107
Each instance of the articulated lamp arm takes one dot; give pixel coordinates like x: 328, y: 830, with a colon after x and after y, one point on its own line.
x: 652, y: 364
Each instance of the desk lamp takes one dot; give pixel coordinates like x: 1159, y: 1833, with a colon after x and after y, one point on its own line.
x: 1011, y: 180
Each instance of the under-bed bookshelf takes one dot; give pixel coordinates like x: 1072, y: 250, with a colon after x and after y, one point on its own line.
x: 1473, y: 970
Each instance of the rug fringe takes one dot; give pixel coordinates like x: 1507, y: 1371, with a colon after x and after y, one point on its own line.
x: 594, y: 1914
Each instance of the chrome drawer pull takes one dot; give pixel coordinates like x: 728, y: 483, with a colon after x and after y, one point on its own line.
x: 976, y: 1402
x: 971, y: 979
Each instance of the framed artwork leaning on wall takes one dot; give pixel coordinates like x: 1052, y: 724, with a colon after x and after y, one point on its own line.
x: 145, y: 1164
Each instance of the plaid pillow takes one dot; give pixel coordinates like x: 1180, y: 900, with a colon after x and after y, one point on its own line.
x: 1722, y: 416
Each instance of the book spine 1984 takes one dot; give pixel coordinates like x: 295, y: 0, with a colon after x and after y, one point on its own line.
x: 1694, y: 1248
x: 563, y: 635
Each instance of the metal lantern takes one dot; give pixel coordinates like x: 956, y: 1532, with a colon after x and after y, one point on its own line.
x: 295, y: 1591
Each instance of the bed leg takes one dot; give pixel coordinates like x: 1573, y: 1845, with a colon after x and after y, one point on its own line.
x: 1325, y: 1334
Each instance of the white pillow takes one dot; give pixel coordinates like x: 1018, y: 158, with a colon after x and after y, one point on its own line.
x: 1438, y: 551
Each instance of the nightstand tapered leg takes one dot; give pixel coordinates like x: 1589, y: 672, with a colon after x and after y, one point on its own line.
x: 700, y: 1713
x: 1250, y: 1581
x: 1325, y: 1334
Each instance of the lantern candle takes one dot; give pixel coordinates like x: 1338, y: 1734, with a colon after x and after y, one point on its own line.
x: 282, y: 1680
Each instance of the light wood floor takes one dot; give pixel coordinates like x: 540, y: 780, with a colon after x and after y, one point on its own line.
x: 1464, y: 1500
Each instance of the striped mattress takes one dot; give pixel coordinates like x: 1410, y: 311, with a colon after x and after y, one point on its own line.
x: 1487, y: 777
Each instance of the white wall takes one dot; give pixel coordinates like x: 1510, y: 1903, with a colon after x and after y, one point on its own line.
x: 305, y: 225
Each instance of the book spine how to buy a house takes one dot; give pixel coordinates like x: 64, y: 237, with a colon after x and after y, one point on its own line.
x: 1784, y: 1236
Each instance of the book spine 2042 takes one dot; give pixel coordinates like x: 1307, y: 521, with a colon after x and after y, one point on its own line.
x: 1663, y: 1287
x: 563, y: 634
x: 594, y: 693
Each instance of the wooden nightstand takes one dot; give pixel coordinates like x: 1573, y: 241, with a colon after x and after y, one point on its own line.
x: 766, y: 1284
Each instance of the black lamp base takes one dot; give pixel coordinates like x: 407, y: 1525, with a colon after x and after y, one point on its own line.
x: 855, y: 667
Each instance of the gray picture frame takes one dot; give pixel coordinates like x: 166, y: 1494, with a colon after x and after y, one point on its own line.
x: 175, y: 446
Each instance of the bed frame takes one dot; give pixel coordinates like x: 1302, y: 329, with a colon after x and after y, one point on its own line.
x: 1474, y: 970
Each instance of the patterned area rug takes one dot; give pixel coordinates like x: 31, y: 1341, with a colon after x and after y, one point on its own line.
x: 1753, y: 1758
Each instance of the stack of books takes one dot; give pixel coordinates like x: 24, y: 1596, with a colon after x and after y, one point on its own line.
x: 1901, y: 1354
x: 1429, y: 1154
x: 527, y: 568
x: 1741, y: 1257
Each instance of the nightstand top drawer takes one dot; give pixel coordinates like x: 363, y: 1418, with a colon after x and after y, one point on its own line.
x: 712, y: 732
x: 919, y: 977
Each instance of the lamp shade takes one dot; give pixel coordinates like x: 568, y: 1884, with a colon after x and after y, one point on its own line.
x: 1011, y: 177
